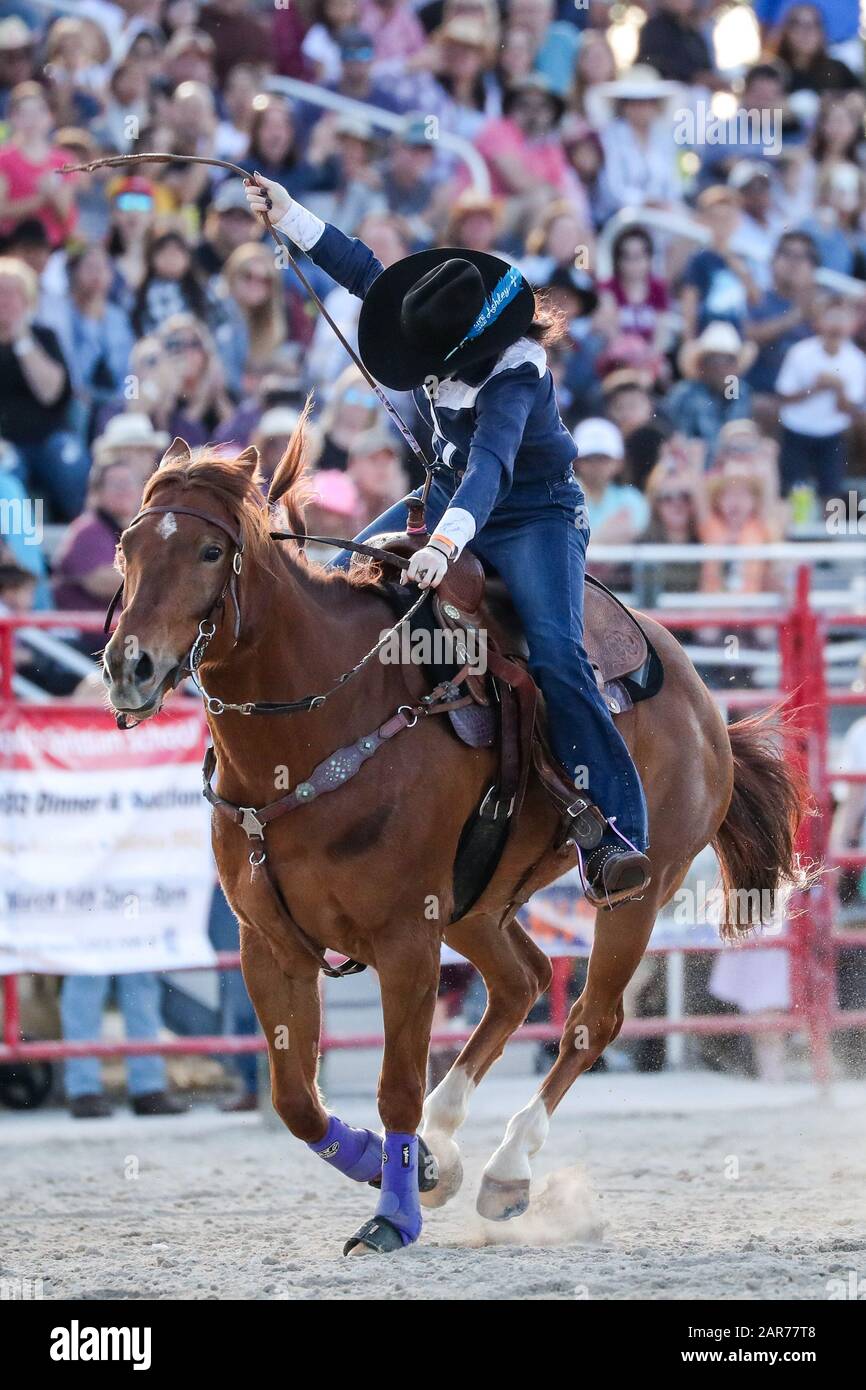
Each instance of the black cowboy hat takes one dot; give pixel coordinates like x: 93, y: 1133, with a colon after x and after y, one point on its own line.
x: 440, y: 311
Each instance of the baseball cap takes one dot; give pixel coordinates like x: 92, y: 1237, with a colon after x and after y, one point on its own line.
x: 231, y: 197
x: 372, y: 441
x: 745, y: 171
x: 414, y: 131
x: 598, y: 437
x: 279, y: 420
x: 334, y: 491
x: 356, y: 46
x: 15, y: 34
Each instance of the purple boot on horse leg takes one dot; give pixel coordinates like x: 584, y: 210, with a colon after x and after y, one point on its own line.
x: 398, y: 1214
x: 358, y: 1153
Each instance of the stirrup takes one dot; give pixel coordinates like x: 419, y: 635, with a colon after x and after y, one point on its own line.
x: 597, y: 891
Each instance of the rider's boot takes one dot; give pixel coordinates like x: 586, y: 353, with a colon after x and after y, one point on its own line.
x: 615, y: 871
x: 612, y: 869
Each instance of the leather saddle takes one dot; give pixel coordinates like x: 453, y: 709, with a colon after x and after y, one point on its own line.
x: 505, y: 701
x: 469, y: 599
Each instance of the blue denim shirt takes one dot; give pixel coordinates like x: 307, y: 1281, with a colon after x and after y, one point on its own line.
x: 490, y: 434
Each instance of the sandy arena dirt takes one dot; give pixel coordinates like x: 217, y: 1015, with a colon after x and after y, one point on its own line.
x: 670, y: 1187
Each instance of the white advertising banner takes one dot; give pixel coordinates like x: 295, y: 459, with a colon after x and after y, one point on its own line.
x: 105, y: 860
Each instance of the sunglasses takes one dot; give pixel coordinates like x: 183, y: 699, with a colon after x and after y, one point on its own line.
x: 674, y: 497
x: 355, y: 396
x: 182, y: 345
x: 256, y: 277
x: 134, y: 202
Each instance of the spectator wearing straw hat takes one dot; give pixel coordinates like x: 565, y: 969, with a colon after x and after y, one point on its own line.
x: 84, y: 568
x: 130, y: 438
x: 714, y: 389
x: 640, y: 154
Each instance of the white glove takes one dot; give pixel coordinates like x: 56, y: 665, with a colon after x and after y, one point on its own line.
x: 427, y: 567
x: 268, y: 198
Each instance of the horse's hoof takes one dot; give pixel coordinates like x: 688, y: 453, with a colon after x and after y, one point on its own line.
x: 428, y: 1170
x: 450, y: 1169
x: 379, y: 1235
x: 502, y: 1201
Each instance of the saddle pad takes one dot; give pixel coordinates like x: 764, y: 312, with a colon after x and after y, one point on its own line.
x: 475, y: 725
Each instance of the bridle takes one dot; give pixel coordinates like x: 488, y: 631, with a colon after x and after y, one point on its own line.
x: 188, y: 665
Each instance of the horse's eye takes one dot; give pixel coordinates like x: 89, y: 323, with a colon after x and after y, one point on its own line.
x: 212, y: 553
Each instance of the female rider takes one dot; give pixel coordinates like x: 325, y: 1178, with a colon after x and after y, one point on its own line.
x: 461, y: 329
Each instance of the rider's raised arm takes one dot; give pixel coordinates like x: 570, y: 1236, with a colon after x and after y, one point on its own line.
x: 348, y: 261
x: 502, y: 408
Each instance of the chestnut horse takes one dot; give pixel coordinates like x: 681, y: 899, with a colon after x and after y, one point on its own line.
x: 367, y: 869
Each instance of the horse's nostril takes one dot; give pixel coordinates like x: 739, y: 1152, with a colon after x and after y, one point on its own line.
x: 143, y: 668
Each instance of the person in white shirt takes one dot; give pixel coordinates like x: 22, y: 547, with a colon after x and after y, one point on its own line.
x: 822, y: 385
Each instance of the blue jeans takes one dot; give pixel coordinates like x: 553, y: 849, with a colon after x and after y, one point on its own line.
x: 57, y: 469
x: 82, y: 1001
x: 536, y: 540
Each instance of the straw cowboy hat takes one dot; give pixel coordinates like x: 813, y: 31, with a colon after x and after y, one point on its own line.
x: 440, y: 311
x: 718, y: 337
x: 639, y: 83
x: 130, y: 430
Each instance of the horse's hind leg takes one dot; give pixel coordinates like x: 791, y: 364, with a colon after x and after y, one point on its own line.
x: 620, y: 940
x: 515, y: 972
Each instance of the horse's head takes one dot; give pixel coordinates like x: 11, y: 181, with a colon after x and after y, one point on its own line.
x: 180, y: 560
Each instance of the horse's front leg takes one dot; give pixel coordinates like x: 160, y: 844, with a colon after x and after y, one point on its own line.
x: 288, y: 1007
x: 408, y: 967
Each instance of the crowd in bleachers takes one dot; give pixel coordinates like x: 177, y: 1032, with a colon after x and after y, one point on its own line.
x: 684, y: 180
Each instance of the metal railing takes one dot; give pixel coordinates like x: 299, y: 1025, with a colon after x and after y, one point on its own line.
x: 377, y: 116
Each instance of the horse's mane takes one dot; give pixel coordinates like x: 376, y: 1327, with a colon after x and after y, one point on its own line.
x: 237, y: 484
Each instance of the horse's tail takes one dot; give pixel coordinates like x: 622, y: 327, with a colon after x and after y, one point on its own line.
x: 756, y: 842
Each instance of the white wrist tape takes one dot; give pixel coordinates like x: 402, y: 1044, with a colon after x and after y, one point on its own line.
x: 458, y: 526
x: 300, y: 226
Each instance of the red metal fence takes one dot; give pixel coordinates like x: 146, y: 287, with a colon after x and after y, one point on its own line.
x: 811, y: 936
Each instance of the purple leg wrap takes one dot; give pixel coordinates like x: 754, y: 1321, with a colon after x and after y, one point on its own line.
x: 355, y: 1152
x: 398, y: 1200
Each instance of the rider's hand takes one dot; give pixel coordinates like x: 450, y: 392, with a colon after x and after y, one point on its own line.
x: 260, y: 191
x: 428, y: 567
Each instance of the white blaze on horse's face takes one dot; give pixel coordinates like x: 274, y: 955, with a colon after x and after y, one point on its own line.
x: 167, y: 526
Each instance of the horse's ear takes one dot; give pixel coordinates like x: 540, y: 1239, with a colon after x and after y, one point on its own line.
x: 249, y: 459
x: 177, y: 449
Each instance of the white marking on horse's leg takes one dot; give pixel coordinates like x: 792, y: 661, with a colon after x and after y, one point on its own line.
x: 167, y: 525
x: 445, y: 1109
x: 447, y: 1106
x: 504, y: 1190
